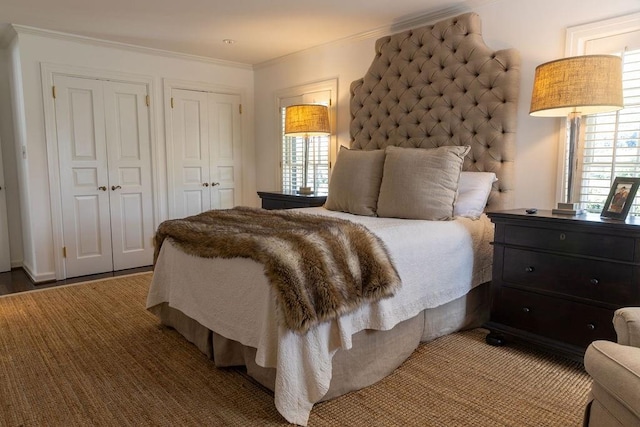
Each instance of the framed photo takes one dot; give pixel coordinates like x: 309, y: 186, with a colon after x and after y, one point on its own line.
x: 620, y: 198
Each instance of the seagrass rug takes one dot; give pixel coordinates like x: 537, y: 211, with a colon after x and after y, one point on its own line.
x: 91, y: 355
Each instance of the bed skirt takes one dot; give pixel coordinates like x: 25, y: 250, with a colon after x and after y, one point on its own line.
x: 352, y: 369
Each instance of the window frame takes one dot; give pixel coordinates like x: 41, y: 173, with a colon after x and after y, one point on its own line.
x: 306, y: 91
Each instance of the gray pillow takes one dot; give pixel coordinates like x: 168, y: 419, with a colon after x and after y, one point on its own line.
x: 355, y: 181
x: 420, y: 183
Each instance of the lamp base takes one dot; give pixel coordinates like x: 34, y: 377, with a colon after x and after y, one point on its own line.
x: 305, y: 190
x: 568, y: 209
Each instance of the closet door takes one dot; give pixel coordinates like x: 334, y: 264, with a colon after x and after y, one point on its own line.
x: 225, y: 142
x: 205, y: 151
x: 129, y: 169
x: 79, y: 108
x: 5, y: 257
x: 189, y: 153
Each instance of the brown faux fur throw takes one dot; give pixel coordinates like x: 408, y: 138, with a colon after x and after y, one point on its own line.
x: 319, y: 267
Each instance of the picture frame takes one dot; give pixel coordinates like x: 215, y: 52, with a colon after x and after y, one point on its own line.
x: 620, y: 198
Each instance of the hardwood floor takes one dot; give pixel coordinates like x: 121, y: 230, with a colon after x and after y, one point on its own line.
x: 17, y: 280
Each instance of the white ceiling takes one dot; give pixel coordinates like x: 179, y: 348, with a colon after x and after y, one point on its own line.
x: 262, y: 29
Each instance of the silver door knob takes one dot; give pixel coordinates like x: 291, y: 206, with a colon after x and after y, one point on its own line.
x: 103, y: 188
x: 115, y: 187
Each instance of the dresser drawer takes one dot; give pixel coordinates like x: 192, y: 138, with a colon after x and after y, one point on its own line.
x: 582, y: 278
x: 574, y: 242
x: 555, y: 318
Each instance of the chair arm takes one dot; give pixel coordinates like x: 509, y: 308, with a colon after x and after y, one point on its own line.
x: 626, y: 322
x: 616, y: 368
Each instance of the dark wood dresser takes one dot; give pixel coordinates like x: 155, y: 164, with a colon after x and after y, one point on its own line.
x: 282, y: 200
x: 558, y: 279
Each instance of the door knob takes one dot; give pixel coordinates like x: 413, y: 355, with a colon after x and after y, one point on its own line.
x: 206, y: 184
x: 103, y: 188
x: 213, y: 184
x: 115, y: 187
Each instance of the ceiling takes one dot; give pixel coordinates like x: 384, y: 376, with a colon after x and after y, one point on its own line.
x: 262, y: 30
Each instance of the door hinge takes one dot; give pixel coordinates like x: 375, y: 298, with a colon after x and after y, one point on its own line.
x: 64, y: 252
x: 330, y: 102
x: 53, y: 91
x: 148, y: 100
x: 172, y: 102
x: 240, y: 108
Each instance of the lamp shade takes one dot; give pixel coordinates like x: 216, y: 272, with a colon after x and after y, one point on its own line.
x: 306, y: 120
x: 584, y: 85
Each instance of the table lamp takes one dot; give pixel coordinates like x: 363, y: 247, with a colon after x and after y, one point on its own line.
x: 574, y: 87
x: 306, y: 120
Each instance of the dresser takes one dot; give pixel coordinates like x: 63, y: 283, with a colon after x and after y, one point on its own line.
x: 558, y: 279
x: 283, y: 200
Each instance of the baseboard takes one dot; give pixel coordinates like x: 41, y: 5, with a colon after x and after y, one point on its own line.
x: 39, y: 278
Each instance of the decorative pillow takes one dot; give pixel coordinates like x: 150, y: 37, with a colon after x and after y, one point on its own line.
x: 355, y: 181
x: 420, y: 183
x: 473, y: 192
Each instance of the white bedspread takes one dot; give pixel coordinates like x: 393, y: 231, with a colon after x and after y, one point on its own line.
x: 438, y: 261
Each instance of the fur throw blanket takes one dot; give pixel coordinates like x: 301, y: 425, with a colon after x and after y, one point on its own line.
x: 319, y: 267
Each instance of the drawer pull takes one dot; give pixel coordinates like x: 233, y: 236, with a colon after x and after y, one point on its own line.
x: 526, y: 309
x: 563, y: 236
x: 591, y: 326
x: 594, y: 281
x: 529, y: 269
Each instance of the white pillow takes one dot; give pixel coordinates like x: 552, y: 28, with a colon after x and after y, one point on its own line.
x: 473, y: 193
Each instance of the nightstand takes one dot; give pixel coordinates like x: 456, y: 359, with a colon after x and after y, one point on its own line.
x: 558, y: 279
x: 282, y: 200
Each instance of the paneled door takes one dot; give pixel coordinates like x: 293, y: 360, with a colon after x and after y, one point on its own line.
x: 105, y: 174
x: 204, y: 151
x: 5, y: 258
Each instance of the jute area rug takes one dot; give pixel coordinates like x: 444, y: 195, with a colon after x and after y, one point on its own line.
x: 91, y: 355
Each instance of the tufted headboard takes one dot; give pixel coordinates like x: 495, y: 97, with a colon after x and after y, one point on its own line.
x: 441, y: 85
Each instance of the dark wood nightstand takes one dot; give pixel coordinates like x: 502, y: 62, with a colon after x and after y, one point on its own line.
x: 558, y: 279
x: 282, y: 200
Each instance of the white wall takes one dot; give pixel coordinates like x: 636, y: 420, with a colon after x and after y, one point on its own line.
x: 29, y: 126
x: 536, y: 28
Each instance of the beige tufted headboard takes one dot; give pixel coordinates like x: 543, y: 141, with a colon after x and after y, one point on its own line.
x: 441, y: 85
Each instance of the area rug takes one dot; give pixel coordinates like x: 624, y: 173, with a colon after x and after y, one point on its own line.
x: 90, y: 354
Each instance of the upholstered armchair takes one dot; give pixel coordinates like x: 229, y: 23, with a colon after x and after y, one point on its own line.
x: 615, y: 369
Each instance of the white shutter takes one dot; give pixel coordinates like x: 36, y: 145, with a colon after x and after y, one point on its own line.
x: 612, y: 141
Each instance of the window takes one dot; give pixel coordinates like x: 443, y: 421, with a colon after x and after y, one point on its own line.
x: 320, y: 147
x: 612, y: 141
x: 611, y: 144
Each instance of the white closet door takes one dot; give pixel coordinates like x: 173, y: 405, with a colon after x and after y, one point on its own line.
x: 190, y: 153
x: 129, y: 160
x: 5, y: 257
x: 226, y: 156
x: 79, y: 109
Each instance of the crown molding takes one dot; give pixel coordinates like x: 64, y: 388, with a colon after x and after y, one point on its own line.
x: 23, y: 29
x: 405, y: 24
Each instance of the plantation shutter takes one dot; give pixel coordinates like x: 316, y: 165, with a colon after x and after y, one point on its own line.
x: 612, y: 140
x: 292, y: 156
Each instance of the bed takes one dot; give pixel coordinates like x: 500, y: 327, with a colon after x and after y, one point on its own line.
x: 433, y: 89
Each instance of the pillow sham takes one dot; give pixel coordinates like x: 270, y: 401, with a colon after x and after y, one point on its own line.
x: 420, y: 183
x: 355, y: 181
x: 473, y: 192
